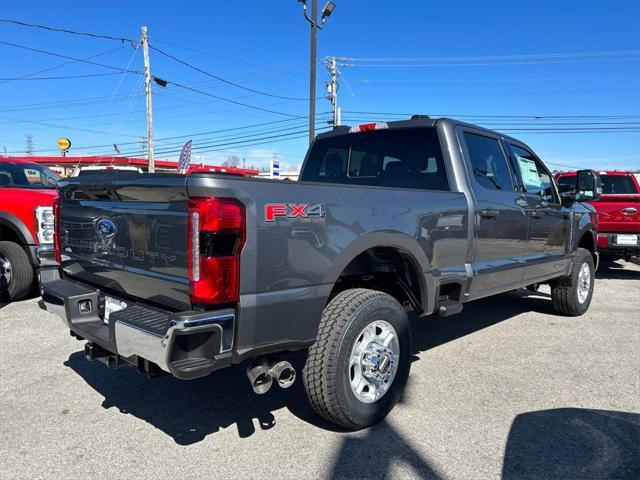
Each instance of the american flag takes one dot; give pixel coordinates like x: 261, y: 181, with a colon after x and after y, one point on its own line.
x: 185, y: 158
x: 116, y: 150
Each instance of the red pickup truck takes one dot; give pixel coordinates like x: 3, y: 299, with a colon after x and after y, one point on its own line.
x: 27, y: 191
x: 619, y: 211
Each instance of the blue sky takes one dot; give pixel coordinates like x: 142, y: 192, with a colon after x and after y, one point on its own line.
x: 509, y: 68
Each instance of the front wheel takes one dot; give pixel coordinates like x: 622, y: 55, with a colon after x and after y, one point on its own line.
x: 571, y: 295
x: 16, y: 272
x: 359, y: 365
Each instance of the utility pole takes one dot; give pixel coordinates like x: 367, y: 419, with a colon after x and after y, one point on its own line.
x: 144, y: 40
x: 332, y: 88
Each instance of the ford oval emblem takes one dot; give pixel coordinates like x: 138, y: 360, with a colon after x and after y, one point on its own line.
x: 106, y: 228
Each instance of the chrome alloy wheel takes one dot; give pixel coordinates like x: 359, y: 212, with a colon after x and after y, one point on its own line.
x: 5, y: 271
x: 584, y: 283
x: 374, y: 361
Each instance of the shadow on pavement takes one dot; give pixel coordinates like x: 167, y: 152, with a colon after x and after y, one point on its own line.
x: 619, y: 270
x: 430, y: 332
x: 373, y: 455
x: 573, y: 443
x: 188, y: 411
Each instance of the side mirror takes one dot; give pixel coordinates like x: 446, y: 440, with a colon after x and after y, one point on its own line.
x: 589, y: 186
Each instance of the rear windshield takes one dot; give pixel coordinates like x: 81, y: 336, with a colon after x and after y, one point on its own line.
x: 26, y: 175
x: 402, y: 158
x: 611, y: 184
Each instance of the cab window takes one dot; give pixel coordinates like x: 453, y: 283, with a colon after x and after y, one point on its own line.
x: 490, y: 168
x: 535, y: 178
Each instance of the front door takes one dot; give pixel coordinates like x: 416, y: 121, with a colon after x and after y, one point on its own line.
x: 548, y: 220
x: 500, y: 216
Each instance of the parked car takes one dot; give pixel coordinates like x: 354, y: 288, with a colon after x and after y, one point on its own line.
x: 619, y: 212
x: 190, y: 274
x: 27, y: 191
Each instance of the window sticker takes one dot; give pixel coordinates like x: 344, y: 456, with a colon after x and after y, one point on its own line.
x: 529, y: 172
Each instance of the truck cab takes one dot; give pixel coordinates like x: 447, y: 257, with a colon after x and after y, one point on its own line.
x: 619, y: 212
x: 27, y: 191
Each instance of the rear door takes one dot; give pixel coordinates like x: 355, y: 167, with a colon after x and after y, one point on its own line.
x: 500, y: 214
x: 548, y: 237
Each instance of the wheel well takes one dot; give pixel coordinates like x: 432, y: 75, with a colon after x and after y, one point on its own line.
x: 385, y: 269
x: 7, y: 234
x: 588, y: 241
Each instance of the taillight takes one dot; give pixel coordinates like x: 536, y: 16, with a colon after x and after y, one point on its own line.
x: 57, y: 250
x: 603, y: 241
x: 216, y: 238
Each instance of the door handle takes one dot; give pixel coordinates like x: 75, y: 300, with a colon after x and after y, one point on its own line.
x: 489, y: 213
x: 537, y: 213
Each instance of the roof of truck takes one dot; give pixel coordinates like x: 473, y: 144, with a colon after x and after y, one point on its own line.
x: 413, y: 122
x: 599, y: 172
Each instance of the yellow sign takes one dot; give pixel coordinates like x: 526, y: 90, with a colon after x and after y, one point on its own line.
x: 64, y: 143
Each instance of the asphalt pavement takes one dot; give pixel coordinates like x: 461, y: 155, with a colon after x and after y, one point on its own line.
x: 507, y: 389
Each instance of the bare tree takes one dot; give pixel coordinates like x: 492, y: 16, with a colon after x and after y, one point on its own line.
x: 233, y: 161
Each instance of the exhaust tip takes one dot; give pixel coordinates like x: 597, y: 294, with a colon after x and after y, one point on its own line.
x: 284, y: 373
x: 260, y: 378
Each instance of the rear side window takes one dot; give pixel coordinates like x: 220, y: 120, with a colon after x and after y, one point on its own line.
x: 401, y: 158
x: 568, y: 180
x: 488, y: 162
x: 617, y: 184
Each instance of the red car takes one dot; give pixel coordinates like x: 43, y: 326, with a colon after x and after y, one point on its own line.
x: 619, y: 210
x: 27, y: 191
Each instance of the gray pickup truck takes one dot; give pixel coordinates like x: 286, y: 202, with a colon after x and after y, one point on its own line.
x: 188, y: 274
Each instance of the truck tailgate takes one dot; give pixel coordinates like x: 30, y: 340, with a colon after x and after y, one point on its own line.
x: 128, y: 235
x: 619, y: 213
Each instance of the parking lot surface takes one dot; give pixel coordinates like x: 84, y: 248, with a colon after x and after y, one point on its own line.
x: 507, y: 389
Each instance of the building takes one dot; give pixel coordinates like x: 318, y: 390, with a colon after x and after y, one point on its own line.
x: 64, y: 166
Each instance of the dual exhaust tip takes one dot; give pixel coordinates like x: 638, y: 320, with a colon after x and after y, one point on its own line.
x: 264, y: 373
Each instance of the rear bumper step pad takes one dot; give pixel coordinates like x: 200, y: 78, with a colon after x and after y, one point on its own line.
x: 187, y: 344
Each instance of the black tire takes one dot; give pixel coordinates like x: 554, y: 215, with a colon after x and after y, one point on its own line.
x: 21, y: 271
x: 564, y: 291
x: 326, y: 374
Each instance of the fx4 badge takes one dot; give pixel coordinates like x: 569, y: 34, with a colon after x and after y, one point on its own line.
x: 303, y: 211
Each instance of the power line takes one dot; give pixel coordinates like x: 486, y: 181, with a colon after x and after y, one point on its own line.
x: 54, y: 54
x: 232, y: 101
x: 537, y: 117
x: 221, y: 79
x: 190, y: 135
x: 64, y: 77
x: 63, y: 64
x: 68, y: 127
x: 534, y: 56
x: 231, y: 140
x: 133, y: 43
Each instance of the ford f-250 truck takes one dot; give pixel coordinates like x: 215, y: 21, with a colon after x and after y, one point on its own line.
x: 27, y: 191
x: 189, y: 274
x: 618, y: 212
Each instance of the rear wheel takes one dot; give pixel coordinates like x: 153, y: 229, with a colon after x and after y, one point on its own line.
x: 358, y: 366
x: 16, y: 272
x: 571, y: 295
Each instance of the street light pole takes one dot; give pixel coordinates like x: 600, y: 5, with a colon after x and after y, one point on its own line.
x: 315, y: 26
x: 312, y: 70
